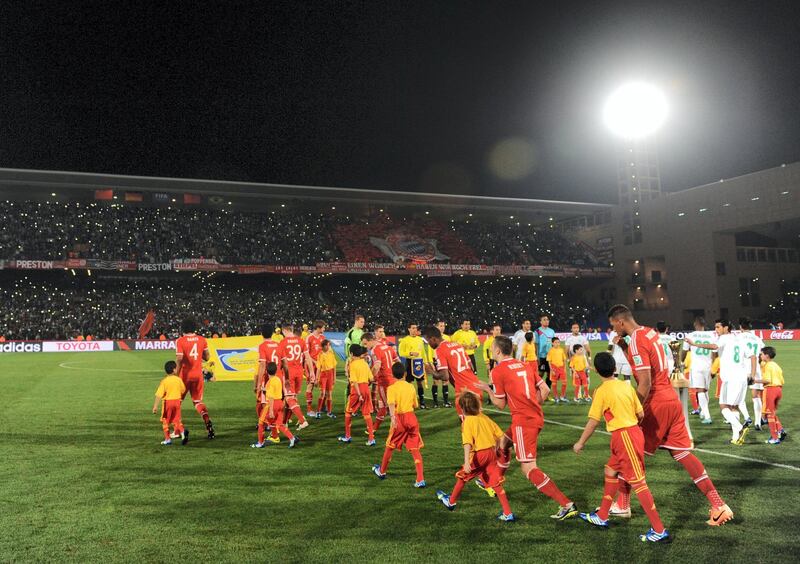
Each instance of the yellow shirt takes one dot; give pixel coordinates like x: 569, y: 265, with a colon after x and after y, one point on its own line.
x: 410, y: 344
x: 327, y: 360
x: 467, y: 339
x: 715, y: 366
x: 487, y: 348
x: 277, y: 337
x: 687, y: 362
x: 403, y: 396
x: 304, y: 334
x: 480, y: 432
x: 171, y: 388
x: 772, y: 374
x: 529, y: 352
x: 578, y: 363
x: 616, y: 403
x: 427, y: 354
x: 556, y: 357
x: 274, y: 388
x: 360, y: 372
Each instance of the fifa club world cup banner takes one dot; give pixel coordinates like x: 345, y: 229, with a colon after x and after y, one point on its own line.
x: 235, y: 358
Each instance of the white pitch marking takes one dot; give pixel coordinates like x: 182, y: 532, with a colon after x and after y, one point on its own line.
x: 67, y: 365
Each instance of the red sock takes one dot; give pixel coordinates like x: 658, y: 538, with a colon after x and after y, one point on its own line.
x: 285, y: 430
x: 298, y: 413
x: 348, y: 423
x: 774, y: 429
x: 501, y: 495
x: 503, y: 460
x: 610, y: 489
x: 320, y: 401
x: 259, y: 406
x: 380, y: 417
x: 698, y: 474
x: 586, y: 391
x: 417, y: 456
x: 563, y: 389
x: 309, y: 398
x: 370, y: 430
x: 693, y: 397
x: 165, y: 428
x: 329, y: 403
x: 260, y: 432
x: 457, y: 491
x: 576, y: 389
x: 387, y: 458
x: 649, y: 506
x: 201, y: 409
x: 624, y: 495
x: 545, y: 485
x: 178, y: 425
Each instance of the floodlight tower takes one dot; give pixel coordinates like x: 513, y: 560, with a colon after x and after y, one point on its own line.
x: 634, y: 112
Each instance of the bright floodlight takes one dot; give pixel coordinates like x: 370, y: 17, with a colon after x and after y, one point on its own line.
x: 635, y: 110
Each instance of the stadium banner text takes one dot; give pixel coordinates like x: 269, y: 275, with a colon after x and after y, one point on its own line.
x: 235, y: 358
x: 211, y: 265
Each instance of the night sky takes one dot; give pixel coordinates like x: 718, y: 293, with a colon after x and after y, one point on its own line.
x: 394, y: 95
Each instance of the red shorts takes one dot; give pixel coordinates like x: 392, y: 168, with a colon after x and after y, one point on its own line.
x: 525, y: 439
x: 326, y: 379
x: 405, y: 432
x: 277, y: 414
x: 355, y: 403
x: 194, y: 388
x: 171, y: 412
x: 557, y: 373
x: 773, y: 395
x: 580, y: 378
x: 294, y: 383
x: 627, y: 453
x: 664, y: 425
x: 484, y: 466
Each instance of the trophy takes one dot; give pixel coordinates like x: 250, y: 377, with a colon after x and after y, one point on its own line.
x: 677, y: 372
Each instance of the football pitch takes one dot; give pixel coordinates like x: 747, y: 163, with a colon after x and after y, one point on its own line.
x: 85, y: 479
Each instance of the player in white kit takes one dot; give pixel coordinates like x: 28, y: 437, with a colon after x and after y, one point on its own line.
x: 731, y: 350
x: 665, y: 339
x: 620, y: 359
x: 700, y: 369
x: 576, y: 338
x: 754, y: 345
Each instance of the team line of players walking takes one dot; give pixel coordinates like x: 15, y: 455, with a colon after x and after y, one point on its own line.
x: 639, y: 419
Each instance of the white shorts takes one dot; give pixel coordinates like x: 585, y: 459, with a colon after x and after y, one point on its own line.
x: 699, y: 379
x: 624, y: 369
x: 757, y: 387
x: 733, y: 392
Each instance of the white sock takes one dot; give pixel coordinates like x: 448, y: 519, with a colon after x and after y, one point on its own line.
x: 702, y: 399
x: 733, y: 419
x: 757, y: 408
x: 743, y: 409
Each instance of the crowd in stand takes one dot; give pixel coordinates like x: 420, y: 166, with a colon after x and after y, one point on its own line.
x: 60, y: 306
x: 53, y: 231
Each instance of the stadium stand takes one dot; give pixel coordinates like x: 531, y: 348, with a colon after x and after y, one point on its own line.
x: 786, y: 310
x: 56, y: 305
x: 52, y: 231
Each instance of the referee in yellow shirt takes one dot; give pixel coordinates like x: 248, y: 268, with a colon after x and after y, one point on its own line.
x: 430, y: 361
x: 412, y: 349
x: 488, y: 355
x: 468, y: 339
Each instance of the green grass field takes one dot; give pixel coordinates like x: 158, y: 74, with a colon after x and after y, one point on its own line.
x: 85, y: 479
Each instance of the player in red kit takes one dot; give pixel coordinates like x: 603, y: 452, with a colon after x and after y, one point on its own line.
x: 517, y: 385
x: 385, y: 357
x: 453, y: 365
x: 314, y: 344
x: 191, y: 351
x: 293, y: 354
x: 267, y: 352
x: 664, y: 425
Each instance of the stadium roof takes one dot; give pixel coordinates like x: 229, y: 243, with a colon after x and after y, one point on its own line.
x: 13, y: 182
